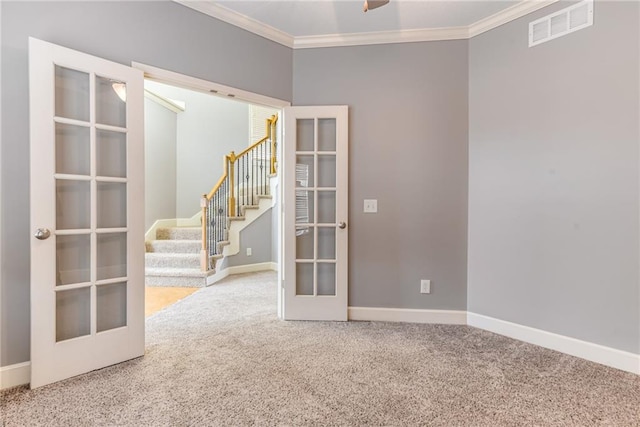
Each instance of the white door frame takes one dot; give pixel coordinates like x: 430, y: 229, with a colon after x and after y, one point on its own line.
x: 205, y: 86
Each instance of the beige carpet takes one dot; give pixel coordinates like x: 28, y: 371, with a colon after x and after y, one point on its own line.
x: 221, y: 357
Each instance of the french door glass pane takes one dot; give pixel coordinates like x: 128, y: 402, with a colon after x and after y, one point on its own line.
x: 73, y: 313
x: 111, y: 306
x: 73, y: 201
x: 73, y: 259
x: 326, y: 243
x: 304, y: 207
x: 111, y: 157
x: 327, y: 207
x: 327, y: 170
x: 326, y: 134
x: 110, y: 108
x: 304, y: 279
x: 112, y: 204
x: 326, y: 279
x: 72, y: 149
x: 72, y: 94
x: 304, y: 135
x: 304, y: 171
x: 304, y: 243
x: 111, y: 255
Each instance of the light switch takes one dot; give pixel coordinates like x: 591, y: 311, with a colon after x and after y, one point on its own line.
x: 370, y: 206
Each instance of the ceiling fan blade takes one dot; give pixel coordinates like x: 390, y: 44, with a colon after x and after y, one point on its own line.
x: 373, y: 4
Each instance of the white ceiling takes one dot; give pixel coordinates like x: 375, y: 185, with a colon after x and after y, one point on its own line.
x: 303, y: 24
x: 322, y: 17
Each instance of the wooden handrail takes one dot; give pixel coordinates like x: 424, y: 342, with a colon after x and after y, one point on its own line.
x: 243, y: 152
x: 232, y: 157
x: 225, y: 204
x: 225, y: 173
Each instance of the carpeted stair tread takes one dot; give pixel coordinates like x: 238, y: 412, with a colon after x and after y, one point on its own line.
x: 179, y: 233
x: 174, y: 246
x: 171, y: 272
x: 179, y: 277
x: 172, y: 260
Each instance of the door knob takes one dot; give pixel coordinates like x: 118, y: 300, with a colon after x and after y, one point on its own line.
x: 42, y: 233
x: 342, y: 225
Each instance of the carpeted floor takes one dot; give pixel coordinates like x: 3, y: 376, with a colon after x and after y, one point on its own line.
x: 221, y: 357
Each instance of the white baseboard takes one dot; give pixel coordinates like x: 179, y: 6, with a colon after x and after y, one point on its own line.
x: 608, y: 356
x: 449, y: 317
x: 239, y: 269
x: 15, y: 375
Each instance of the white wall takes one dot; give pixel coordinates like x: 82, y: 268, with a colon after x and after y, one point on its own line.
x: 160, y: 135
x: 209, y: 128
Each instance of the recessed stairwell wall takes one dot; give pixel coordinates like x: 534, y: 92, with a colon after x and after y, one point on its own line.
x: 256, y: 236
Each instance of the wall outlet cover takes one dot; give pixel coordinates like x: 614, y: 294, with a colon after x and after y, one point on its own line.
x: 370, y: 205
x: 425, y: 286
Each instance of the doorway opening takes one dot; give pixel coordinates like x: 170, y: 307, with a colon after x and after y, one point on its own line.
x: 189, y: 129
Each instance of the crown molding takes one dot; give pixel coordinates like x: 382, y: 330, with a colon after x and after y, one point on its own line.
x: 239, y: 20
x: 381, y: 37
x: 507, y: 15
x: 209, y: 7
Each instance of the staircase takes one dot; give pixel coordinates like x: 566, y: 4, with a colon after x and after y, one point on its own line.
x: 173, y: 259
x: 188, y: 252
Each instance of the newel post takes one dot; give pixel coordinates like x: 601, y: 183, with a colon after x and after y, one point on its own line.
x: 204, y: 255
x: 232, y: 197
x: 272, y: 136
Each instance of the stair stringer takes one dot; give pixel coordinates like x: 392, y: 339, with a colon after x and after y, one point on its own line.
x: 236, y: 226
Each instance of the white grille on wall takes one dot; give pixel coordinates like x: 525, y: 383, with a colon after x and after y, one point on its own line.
x: 561, y: 23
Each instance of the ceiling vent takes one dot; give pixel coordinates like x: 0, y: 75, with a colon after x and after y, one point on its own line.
x: 561, y: 23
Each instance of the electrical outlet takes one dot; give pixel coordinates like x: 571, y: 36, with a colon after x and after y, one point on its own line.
x: 370, y: 205
x: 248, y: 251
x: 425, y: 286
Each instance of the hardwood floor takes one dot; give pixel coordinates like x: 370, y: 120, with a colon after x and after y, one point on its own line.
x: 158, y: 297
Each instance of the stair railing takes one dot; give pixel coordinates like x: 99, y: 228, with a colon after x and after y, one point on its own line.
x: 244, y: 179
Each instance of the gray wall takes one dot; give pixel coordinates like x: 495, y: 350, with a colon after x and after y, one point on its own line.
x: 160, y: 133
x: 256, y: 236
x: 553, y: 194
x: 163, y: 34
x: 408, y: 149
x: 209, y: 128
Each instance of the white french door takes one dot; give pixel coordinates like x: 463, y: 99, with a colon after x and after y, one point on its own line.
x: 87, y: 218
x: 315, y: 213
